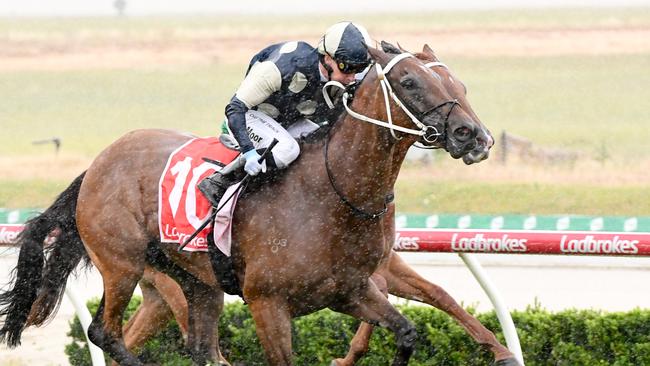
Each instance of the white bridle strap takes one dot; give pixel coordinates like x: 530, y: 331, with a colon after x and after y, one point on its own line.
x: 435, y: 63
x: 387, y: 90
x: 394, y: 61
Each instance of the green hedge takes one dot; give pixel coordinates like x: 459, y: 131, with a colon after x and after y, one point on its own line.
x: 571, y: 337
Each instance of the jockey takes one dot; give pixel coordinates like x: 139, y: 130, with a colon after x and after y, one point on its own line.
x: 283, y: 87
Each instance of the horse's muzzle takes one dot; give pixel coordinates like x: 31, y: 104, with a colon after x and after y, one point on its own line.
x: 481, y: 151
x: 476, y: 156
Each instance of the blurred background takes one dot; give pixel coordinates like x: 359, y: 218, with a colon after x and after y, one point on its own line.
x: 567, y: 86
x: 562, y: 85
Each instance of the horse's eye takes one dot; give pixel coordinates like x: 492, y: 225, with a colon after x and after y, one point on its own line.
x: 407, y: 83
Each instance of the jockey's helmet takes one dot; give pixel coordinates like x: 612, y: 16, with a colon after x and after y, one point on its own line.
x: 346, y: 43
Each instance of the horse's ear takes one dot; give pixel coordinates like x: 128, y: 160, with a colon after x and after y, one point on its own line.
x: 378, y: 55
x: 389, y: 48
x: 429, y: 52
x: 401, y: 48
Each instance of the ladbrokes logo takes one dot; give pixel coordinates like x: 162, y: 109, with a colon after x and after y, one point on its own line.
x: 8, y: 236
x: 479, y: 243
x: 406, y: 242
x: 605, y: 246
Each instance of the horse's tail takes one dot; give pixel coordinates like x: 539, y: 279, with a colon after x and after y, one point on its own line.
x: 41, y: 274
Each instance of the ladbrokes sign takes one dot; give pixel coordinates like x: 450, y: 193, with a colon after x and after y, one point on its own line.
x: 590, y: 245
x: 8, y: 233
x: 406, y: 243
x: 514, y: 241
x: 479, y: 243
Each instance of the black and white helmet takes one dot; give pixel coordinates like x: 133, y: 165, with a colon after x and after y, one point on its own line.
x: 346, y: 43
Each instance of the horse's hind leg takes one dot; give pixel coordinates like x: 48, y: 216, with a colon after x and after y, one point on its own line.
x: 121, y: 266
x: 404, y: 282
x: 106, y: 328
x: 360, y: 343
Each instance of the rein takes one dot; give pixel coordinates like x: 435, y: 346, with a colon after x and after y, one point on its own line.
x: 355, y: 210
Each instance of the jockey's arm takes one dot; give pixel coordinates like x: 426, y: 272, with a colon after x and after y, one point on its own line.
x: 262, y: 80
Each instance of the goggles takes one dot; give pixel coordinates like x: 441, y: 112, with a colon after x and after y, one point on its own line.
x: 351, y: 68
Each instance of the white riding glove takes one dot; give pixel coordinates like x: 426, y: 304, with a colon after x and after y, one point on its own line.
x: 252, y: 166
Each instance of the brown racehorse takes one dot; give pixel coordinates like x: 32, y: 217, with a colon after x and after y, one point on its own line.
x: 393, y: 275
x: 327, y: 209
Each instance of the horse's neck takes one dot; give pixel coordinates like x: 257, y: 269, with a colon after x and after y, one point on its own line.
x: 364, y: 160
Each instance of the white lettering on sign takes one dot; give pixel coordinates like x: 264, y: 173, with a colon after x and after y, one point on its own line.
x: 479, y: 243
x: 8, y: 236
x: 589, y: 244
x: 406, y: 242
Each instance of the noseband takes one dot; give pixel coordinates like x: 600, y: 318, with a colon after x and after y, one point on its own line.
x: 429, y: 133
x: 435, y: 134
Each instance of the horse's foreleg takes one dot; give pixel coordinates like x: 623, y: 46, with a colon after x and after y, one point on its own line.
x: 273, y: 327
x: 373, y: 307
x: 359, y: 345
x: 404, y: 282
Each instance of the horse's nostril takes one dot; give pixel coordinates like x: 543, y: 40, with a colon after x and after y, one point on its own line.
x: 462, y: 132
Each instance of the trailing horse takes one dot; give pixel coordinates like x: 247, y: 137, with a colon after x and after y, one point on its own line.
x: 327, y: 209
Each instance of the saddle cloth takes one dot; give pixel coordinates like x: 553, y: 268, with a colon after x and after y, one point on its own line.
x: 181, y: 206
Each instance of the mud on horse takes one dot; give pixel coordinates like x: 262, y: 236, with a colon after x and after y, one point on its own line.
x: 110, y: 216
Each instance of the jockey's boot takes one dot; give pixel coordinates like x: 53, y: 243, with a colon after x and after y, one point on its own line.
x: 214, y: 186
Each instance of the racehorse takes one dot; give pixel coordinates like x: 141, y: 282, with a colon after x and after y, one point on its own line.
x: 393, y: 276
x: 327, y: 210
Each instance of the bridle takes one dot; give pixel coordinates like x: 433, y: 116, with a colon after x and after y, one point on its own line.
x: 429, y: 134
x: 431, y: 65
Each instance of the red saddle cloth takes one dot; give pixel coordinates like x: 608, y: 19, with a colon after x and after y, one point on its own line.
x: 181, y: 206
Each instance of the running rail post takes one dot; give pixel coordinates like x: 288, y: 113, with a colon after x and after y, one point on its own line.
x: 507, y: 325
x: 96, y: 354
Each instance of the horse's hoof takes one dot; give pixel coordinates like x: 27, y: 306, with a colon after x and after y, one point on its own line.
x: 507, y: 362
x: 335, y: 362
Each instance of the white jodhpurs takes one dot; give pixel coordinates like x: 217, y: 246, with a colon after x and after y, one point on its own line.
x: 262, y: 129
